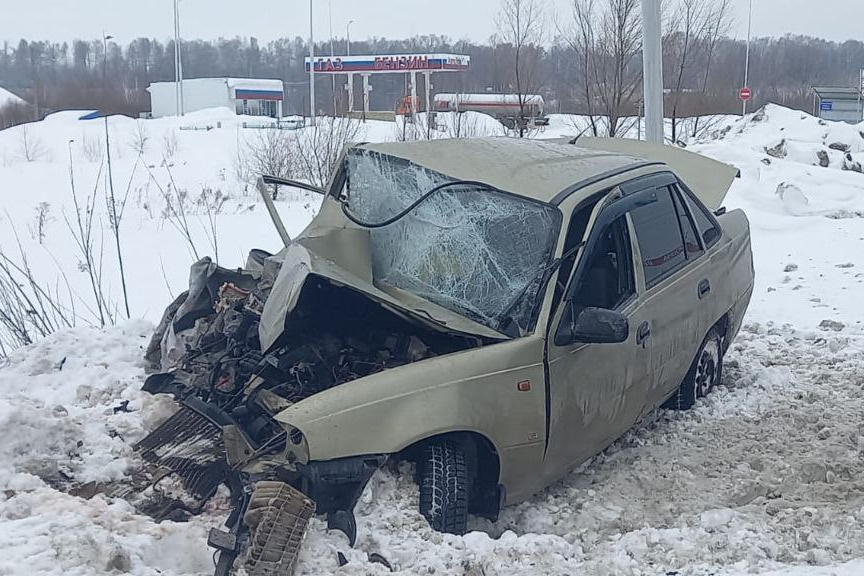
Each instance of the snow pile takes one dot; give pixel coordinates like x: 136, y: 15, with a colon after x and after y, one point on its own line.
x: 63, y: 420
x: 573, y: 125
x: 807, y: 221
x: 763, y: 477
x: 7, y: 97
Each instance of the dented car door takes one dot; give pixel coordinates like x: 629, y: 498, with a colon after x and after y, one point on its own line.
x: 677, y: 283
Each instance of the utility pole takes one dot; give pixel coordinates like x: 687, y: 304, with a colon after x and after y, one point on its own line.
x: 652, y: 70
x: 348, y: 37
x: 311, y: 67
x: 178, y: 62
x: 747, y: 57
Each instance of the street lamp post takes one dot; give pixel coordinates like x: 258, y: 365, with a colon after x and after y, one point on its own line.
x: 348, y: 37
x: 747, y: 57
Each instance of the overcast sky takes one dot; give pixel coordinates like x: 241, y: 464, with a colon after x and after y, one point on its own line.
x: 472, y: 19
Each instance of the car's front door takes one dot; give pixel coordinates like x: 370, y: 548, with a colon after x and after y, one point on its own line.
x: 596, y: 391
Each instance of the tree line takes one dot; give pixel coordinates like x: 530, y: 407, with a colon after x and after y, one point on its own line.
x: 587, y: 63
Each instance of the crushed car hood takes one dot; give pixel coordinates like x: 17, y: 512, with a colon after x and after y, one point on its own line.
x: 301, y: 263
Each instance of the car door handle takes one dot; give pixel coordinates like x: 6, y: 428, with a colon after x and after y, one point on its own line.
x: 704, y: 288
x: 643, y: 333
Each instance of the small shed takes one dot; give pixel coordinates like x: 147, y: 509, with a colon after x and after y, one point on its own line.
x: 248, y: 96
x: 837, y: 103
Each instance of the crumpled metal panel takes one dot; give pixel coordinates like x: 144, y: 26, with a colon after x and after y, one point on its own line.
x: 466, y: 249
x: 191, y: 446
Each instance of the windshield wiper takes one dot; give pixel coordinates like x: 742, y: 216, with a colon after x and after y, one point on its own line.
x: 544, y: 276
x: 476, y: 186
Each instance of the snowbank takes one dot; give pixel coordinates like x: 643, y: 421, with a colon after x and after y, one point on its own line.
x: 7, y: 97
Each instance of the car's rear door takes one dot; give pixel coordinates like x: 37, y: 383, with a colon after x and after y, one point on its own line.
x: 677, y: 282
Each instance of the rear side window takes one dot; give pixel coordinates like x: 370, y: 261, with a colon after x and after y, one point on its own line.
x: 691, y: 243
x: 706, y: 225
x: 659, y: 236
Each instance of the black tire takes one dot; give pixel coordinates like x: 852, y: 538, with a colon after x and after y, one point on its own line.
x: 705, y: 373
x: 444, y: 487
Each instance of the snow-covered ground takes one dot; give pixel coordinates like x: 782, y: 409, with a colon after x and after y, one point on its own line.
x: 763, y: 477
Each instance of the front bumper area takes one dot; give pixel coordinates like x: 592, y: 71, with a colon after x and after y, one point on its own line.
x: 271, y: 506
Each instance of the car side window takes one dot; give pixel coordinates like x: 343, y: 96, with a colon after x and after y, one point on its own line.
x: 659, y: 235
x: 705, y: 224
x: 607, y: 281
x: 691, y: 242
x: 575, y: 233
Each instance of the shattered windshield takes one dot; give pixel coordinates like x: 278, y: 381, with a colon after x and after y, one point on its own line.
x: 478, y: 252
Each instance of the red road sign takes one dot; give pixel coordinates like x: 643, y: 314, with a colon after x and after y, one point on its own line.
x: 745, y: 94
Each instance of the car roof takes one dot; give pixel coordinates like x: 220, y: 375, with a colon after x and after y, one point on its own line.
x: 537, y: 169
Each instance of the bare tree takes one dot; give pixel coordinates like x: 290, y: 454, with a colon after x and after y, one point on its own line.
x: 176, y: 207
x: 521, y: 24
x: 608, y: 37
x: 582, y: 40
x: 140, y: 139
x: 719, y: 24
x: 267, y: 151
x: 317, y: 149
x: 31, y: 148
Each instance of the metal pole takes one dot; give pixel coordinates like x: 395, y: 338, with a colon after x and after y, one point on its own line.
x: 428, y: 85
x: 652, y: 70
x: 747, y: 57
x: 860, y: 94
x: 348, y: 37
x: 332, y: 55
x: 366, y: 89
x: 176, y: 62
x: 179, y: 56
x: 311, y: 68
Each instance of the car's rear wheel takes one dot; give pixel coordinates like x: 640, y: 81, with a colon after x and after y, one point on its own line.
x: 704, y: 374
x: 444, y: 487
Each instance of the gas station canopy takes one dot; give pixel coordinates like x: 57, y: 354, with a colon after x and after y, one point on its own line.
x: 390, y: 64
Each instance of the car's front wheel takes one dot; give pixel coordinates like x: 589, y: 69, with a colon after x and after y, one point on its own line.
x: 444, y: 487
x: 704, y: 374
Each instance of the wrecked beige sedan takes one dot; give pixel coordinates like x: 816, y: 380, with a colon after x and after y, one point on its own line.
x: 497, y: 311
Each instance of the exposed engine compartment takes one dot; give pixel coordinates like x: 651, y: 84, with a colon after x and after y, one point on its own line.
x: 229, y: 390
x: 334, y: 335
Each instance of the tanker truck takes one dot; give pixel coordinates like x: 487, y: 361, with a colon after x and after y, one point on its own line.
x: 504, y: 107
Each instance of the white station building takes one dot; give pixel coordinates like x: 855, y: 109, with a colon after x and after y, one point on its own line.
x: 249, y: 96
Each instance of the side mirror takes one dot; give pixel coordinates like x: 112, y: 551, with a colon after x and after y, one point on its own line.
x: 599, y: 326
